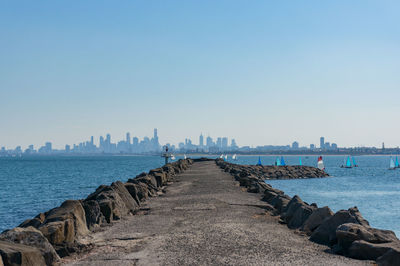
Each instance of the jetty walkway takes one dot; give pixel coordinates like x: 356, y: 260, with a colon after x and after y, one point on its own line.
x: 203, y: 217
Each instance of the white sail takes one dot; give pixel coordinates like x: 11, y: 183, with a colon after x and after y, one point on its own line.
x: 321, y: 165
x: 226, y: 157
x: 184, y: 156
x: 172, y: 157
x: 221, y: 156
x: 234, y: 157
x: 392, y: 165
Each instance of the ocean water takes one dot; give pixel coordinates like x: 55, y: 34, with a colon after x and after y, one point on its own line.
x: 30, y: 185
x: 371, y: 187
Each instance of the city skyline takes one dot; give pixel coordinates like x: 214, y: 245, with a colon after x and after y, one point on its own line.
x: 262, y: 72
x: 151, y: 145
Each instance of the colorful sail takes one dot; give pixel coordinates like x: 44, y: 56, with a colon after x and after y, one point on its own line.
x: 348, y: 163
x: 392, y: 165
x: 320, y: 163
x: 282, y: 161
x: 300, y: 162
x: 278, y: 161
x: 259, y: 161
x: 354, y: 162
x: 397, y: 163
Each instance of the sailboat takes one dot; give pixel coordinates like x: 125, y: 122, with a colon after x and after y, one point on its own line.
x: 259, y: 161
x: 278, y: 161
x: 397, y: 163
x: 392, y: 164
x: 320, y: 164
x: 184, y: 156
x: 354, y: 162
x: 282, y: 161
x: 347, y: 163
x: 226, y: 157
x: 172, y: 157
x: 234, y: 157
x: 300, y: 162
x: 221, y: 156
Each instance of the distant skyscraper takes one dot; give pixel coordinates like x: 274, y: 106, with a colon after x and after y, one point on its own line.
x: 209, y: 142
x: 155, y: 133
x: 67, y: 148
x: 224, y: 143
x: 295, y: 145
x: 92, y: 140
x: 201, y: 140
x: 128, y: 138
x: 322, y: 142
x: 233, y: 144
x: 312, y: 146
x: 108, y: 139
x: 219, y: 142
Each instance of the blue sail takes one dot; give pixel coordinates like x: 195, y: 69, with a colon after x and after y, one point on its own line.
x: 278, y: 161
x: 282, y: 161
x: 397, y: 163
x: 259, y: 161
x: 354, y: 162
x: 348, y: 163
x: 300, y: 162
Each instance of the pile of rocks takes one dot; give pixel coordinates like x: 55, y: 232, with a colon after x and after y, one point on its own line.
x: 266, y: 172
x: 56, y: 233
x: 346, y: 231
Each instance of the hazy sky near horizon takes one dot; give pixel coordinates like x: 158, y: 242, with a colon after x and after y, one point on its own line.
x: 263, y: 72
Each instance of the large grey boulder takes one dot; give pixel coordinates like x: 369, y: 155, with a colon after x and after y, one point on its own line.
x: 390, y: 258
x: 30, y: 236
x: 279, y: 202
x: 326, y: 232
x: 114, y: 201
x: 364, y: 250
x: 65, y: 224
x: 296, y: 212
x: 13, y: 254
x: 350, y: 232
x: 94, y: 217
x: 316, y: 219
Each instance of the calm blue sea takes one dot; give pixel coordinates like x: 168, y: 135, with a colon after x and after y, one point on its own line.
x: 30, y: 185
x: 371, y: 187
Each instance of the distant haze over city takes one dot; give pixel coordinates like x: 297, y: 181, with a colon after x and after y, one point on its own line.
x: 262, y: 72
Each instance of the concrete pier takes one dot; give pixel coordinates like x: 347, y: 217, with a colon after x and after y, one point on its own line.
x: 203, y: 218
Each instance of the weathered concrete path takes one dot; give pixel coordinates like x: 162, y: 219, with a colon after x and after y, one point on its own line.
x: 204, y: 218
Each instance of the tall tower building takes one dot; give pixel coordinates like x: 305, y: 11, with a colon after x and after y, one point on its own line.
x: 92, y: 140
x: 201, y: 140
x: 128, y: 138
x: 322, y: 142
x: 155, y: 133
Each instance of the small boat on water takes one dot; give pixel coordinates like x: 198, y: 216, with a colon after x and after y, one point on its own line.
x: 320, y: 163
x: 234, y: 157
x: 392, y: 164
x: 221, y: 156
x: 396, y: 164
x: 184, y: 156
x: 347, y: 164
x: 300, y: 162
x: 282, y: 161
x: 354, y: 162
x: 259, y: 161
x: 226, y: 157
x: 172, y: 157
x: 278, y: 162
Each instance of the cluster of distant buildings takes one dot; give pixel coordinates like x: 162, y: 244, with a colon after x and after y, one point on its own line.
x: 132, y: 145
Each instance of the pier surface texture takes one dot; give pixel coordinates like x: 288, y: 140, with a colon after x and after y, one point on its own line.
x: 203, y: 218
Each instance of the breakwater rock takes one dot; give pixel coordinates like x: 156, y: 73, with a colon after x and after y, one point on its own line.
x: 266, y: 172
x: 56, y: 233
x: 346, y: 232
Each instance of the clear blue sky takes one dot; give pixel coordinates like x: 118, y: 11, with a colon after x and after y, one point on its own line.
x: 264, y: 72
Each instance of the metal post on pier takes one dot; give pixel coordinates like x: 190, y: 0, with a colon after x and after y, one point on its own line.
x: 166, y: 154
